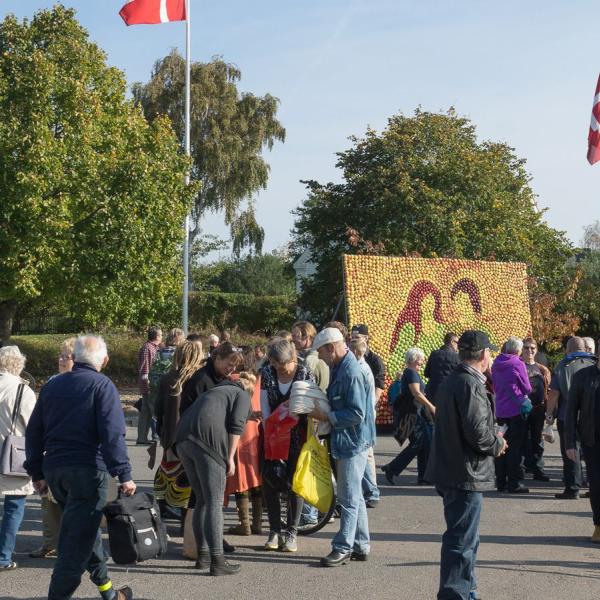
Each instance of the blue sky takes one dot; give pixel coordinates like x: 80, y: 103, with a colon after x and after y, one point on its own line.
x: 524, y: 72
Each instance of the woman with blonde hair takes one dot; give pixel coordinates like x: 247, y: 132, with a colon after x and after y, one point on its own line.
x: 171, y: 486
x: 207, y: 439
x: 17, y: 401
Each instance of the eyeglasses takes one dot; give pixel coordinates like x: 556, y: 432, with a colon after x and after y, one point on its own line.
x: 65, y: 357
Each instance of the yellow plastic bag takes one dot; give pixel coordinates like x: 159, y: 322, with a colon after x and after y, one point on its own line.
x: 312, y: 478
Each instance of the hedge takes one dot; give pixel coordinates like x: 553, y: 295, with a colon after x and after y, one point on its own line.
x: 261, y: 314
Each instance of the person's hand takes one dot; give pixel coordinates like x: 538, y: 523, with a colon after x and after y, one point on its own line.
x: 432, y: 410
x: 40, y: 486
x: 504, y: 447
x: 230, y: 467
x: 572, y: 454
x: 318, y: 413
x: 255, y: 415
x: 128, y: 488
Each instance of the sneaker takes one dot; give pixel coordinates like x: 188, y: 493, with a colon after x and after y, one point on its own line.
x: 44, y: 552
x: 596, y: 535
x: 371, y: 503
x: 11, y: 566
x: 289, y: 543
x: 520, y: 489
x: 273, y: 541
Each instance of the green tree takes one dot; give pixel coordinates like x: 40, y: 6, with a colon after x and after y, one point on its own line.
x: 229, y: 132
x: 425, y: 186
x: 93, y: 197
x: 257, y: 275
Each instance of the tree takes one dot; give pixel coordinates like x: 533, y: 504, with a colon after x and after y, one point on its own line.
x: 425, y: 186
x: 257, y: 275
x: 229, y: 132
x: 93, y: 197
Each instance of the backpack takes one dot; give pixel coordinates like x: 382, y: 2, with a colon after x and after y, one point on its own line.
x: 135, y: 531
x: 160, y: 366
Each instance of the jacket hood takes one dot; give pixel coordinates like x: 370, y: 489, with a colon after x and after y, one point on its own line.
x: 506, y: 362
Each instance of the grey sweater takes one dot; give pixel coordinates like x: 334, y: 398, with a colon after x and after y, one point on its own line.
x: 216, y: 414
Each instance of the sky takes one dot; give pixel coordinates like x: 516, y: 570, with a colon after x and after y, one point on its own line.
x: 523, y: 72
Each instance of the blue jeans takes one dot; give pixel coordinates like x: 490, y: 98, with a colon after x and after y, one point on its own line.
x: 419, y: 445
x: 462, y: 510
x: 354, y: 525
x: 310, y: 514
x: 81, y: 492
x: 14, y: 509
x: 369, y: 482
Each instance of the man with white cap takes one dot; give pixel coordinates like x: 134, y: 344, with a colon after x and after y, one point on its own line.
x: 352, y: 434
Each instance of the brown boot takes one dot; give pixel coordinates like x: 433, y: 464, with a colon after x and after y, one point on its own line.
x: 257, y: 513
x: 243, y: 509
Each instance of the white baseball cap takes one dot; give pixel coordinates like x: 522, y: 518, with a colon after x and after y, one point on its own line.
x: 329, y: 335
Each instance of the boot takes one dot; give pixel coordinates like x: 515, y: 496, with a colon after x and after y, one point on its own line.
x: 257, y: 513
x: 220, y: 566
x: 243, y: 509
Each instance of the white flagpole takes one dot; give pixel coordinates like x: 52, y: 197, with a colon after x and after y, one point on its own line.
x: 186, y: 243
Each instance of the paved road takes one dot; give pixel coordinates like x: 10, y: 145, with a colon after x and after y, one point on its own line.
x: 533, y: 547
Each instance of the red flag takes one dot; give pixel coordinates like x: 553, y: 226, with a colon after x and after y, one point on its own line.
x: 594, y: 134
x: 151, y: 12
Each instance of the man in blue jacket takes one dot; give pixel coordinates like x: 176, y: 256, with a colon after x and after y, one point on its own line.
x: 352, y: 434
x: 75, y: 442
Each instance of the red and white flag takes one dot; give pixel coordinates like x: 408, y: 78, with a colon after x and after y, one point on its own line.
x: 594, y: 134
x: 152, y: 12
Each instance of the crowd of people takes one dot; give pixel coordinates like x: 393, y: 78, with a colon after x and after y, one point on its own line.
x: 472, y: 423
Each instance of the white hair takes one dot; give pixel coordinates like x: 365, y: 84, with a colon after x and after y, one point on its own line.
x: 90, y: 350
x: 11, y: 360
x: 413, y: 355
x: 213, y: 338
x: 513, y: 345
x: 590, y: 345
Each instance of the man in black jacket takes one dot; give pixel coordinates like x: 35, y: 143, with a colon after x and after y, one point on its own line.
x: 374, y: 361
x: 461, y: 463
x: 583, y: 418
x: 75, y: 441
x: 440, y: 364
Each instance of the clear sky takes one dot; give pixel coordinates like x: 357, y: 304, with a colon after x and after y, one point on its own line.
x: 523, y: 71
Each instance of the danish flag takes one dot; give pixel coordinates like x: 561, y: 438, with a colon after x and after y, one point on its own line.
x: 594, y: 135
x: 152, y: 12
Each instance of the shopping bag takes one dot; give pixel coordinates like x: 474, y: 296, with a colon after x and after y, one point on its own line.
x: 278, y: 430
x: 312, y: 478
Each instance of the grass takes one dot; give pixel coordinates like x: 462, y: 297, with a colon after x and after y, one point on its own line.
x: 42, y: 353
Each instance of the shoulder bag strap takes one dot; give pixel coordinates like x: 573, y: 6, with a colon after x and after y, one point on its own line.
x: 16, y: 408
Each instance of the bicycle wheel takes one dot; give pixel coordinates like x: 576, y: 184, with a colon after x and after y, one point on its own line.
x: 322, y: 520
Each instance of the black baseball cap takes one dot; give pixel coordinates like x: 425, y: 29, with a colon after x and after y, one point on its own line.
x: 361, y: 329
x: 474, y: 340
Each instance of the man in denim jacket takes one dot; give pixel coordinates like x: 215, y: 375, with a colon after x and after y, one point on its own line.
x: 352, y: 434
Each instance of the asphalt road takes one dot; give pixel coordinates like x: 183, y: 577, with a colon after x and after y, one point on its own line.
x: 532, y: 546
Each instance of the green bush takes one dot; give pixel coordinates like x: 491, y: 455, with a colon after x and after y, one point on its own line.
x: 264, y: 314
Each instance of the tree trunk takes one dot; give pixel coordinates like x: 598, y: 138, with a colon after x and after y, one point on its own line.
x: 8, y: 308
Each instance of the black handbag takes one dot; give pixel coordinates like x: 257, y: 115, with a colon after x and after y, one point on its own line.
x: 12, y: 456
x: 135, y: 530
x: 275, y: 473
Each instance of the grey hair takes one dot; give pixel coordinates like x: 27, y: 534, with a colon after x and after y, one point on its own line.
x: 413, y: 354
x: 11, y: 360
x: 281, y: 351
x: 589, y: 343
x: 213, y: 338
x: 513, y: 345
x: 90, y: 350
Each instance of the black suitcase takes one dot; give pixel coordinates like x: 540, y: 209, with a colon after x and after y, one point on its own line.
x: 135, y: 530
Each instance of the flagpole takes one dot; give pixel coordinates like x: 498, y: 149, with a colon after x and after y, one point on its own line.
x: 186, y: 243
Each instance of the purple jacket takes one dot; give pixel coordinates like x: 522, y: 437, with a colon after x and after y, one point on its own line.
x: 511, y: 385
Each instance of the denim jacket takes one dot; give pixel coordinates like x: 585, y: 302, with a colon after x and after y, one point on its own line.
x: 352, y: 419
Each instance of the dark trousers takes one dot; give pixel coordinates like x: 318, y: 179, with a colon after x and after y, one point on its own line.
x: 592, y: 463
x: 273, y: 502
x: 534, y: 443
x: 81, y: 492
x: 460, y: 542
x: 419, y: 444
x: 572, y: 474
x: 508, y: 466
x: 207, y: 478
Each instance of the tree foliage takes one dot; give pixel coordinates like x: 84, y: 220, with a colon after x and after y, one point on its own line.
x: 93, y: 197
x: 425, y: 186
x: 256, y: 275
x: 229, y: 132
